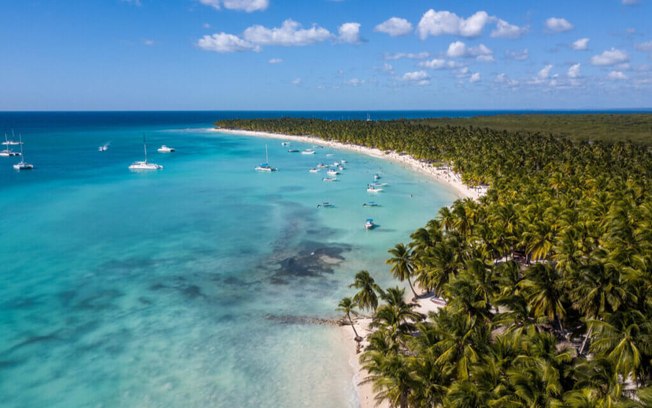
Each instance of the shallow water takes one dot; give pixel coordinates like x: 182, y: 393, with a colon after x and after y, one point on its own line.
x: 193, y: 286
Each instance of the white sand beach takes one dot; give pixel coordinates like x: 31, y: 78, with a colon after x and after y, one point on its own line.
x: 425, y: 305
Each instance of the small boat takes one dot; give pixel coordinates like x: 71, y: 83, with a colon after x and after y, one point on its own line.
x: 373, y: 189
x: 371, y: 204
x: 376, y: 176
x: 285, y: 143
x: 329, y: 179
x: 103, y: 148
x: 321, y: 166
x: 165, y: 149
x: 265, y: 167
x: 314, y: 170
x: 22, y: 165
x: 333, y: 172
x: 144, y: 165
x: 326, y: 204
x: 7, y: 152
x: 369, y: 224
x: 294, y: 151
x: 308, y: 151
x: 343, y: 161
x: 9, y: 142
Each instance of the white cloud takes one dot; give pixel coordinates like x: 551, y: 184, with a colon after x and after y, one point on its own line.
x: 133, y: 2
x: 224, y: 42
x: 645, y: 47
x: 355, y: 82
x: 395, y: 27
x: 475, y: 77
x: 406, y: 55
x: 544, y: 73
x: 388, y: 68
x: 581, y: 44
x: 242, y: 5
x: 297, y: 82
x: 275, y: 61
x: 149, y: 42
x: 521, y: 55
x: 630, y: 2
x: 558, y: 25
x: 610, y: 57
x: 349, y: 33
x: 574, y: 71
x: 417, y: 77
x: 288, y: 35
x: 505, y: 80
x: 434, y: 23
x: 440, y: 63
x: 506, y: 30
x: 459, y: 49
x: 618, y: 75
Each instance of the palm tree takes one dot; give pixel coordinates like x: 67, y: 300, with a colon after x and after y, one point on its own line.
x: 367, y: 296
x: 347, y: 306
x: 402, y: 267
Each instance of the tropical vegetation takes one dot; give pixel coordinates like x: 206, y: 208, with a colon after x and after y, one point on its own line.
x: 547, y: 278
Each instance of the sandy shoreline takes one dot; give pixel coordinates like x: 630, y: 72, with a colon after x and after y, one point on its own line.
x: 425, y: 305
x: 449, y: 178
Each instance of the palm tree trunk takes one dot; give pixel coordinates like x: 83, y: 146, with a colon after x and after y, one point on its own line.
x: 357, y: 336
x: 588, y: 334
x: 412, y: 288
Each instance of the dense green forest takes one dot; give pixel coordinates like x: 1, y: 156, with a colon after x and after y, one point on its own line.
x: 547, y: 278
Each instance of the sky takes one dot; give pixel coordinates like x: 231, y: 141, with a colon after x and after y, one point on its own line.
x: 325, y: 54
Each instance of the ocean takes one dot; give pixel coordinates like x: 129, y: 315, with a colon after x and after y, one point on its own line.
x: 202, y: 284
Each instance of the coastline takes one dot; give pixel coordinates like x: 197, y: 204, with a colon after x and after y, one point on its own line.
x: 449, y: 178
x: 365, y: 394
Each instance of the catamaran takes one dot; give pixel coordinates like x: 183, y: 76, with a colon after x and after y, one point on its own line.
x: 7, y: 152
x: 22, y: 165
x: 265, y: 167
x: 144, y: 165
x: 11, y: 142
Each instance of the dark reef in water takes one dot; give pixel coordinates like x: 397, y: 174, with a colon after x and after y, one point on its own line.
x: 312, y: 260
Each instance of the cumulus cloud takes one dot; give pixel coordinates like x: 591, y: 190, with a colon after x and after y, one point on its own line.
x: 439, y: 63
x: 459, y: 49
x: 574, y: 71
x: 242, y: 5
x: 289, y: 34
x: 503, y: 79
x: 544, y: 73
x: 406, y: 55
x: 275, y: 61
x: 349, y: 33
x: 435, y: 23
x: 581, y: 44
x: 355, y: 82
x: 418, y: 77
x: 395, y: 27
x: 610, y: 57
x: 475, y: 77
x: 223, y: 42
x: 630, y: 2
x: 505, y: 30
x: 297, y: 82
x: 558, y: 25
x: 617, y: 75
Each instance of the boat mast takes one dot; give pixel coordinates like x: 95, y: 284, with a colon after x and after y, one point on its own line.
x: 145, y: 147
x: 266, y: 155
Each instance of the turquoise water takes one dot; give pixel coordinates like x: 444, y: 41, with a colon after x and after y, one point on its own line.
x: 192, y: 286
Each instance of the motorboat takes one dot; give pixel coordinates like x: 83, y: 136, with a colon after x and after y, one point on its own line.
x: 329, y: 179
x: 314, y: 170
x: 285, y: 143
x: 144, y: 165
x: 103, y: 148
x: 308, y: 151
x: 369, y: 224
x: 371, y: 204
x: 326, y: 204
x: 333, y: 172
x: 293, y: 150
x: 376, y: 176
x: 373, y: 189
x: 165, y: 149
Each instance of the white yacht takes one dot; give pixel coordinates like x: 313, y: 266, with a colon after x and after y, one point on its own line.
x: 373, y: 189
x: 314, y: 170
x: 332, y: 172
x: 265, y: 167
x: 22, y: 164
x: 144, y: 165
x: 308, y: 151
x: 165, y: 149
x: 103, y: 148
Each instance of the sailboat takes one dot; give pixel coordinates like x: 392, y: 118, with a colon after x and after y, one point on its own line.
x: 144, y: 165
x: 7, y: 152
x: 11, y: 142
x: 265, y: 167
x: 22, y: 165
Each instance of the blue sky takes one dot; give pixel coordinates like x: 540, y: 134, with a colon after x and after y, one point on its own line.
x: 325, y: 54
